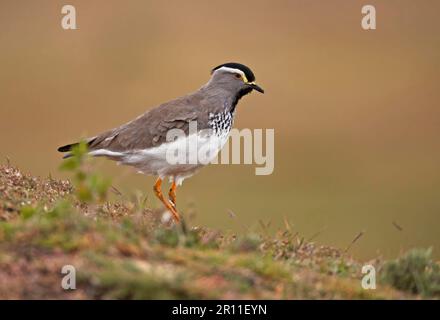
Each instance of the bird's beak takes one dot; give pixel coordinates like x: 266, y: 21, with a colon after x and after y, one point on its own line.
x: 254, y: 86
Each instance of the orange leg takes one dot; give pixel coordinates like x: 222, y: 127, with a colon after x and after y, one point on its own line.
x: 166, y: 203
x: 172, y: 194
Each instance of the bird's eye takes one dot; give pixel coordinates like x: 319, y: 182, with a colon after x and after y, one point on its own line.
x: 238, y: 76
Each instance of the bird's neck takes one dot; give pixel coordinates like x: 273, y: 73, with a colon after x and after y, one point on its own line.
x: 238, y: 96
x: 227, y: 98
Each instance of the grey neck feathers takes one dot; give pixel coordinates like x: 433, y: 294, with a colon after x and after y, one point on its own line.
x: 226, y: 95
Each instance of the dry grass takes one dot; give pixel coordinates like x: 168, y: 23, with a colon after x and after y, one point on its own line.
x: 123, y: 250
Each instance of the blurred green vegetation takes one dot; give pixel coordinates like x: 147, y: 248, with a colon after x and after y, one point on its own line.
x: 89, y: 186
x: 415, y: 272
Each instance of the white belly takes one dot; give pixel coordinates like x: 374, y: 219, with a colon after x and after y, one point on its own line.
x: 177, y: 160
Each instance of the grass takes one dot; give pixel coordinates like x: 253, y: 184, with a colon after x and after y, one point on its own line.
x: 124, y: 251
x: 414, y: 272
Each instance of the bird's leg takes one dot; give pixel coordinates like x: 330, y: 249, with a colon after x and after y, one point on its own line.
x: 172, y: 194
x: 166, y: 203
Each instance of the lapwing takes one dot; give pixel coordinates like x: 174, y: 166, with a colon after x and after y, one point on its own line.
x: 144, y: 142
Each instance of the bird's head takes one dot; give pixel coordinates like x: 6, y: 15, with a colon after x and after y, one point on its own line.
x: 235, y: 78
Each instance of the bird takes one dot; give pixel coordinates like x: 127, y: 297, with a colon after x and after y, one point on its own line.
x: 143, y: 143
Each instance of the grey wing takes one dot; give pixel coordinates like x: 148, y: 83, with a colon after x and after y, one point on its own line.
x: 148, y: 130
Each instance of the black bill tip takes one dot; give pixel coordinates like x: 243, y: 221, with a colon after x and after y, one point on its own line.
x: 256, y: 87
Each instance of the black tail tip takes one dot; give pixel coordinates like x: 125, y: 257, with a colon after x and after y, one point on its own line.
x: 67, y: 147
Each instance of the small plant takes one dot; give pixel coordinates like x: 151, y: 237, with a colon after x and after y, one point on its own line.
x: 89, y: 186
x: 415, y: 272
x: 246, y: 243
x: 176, y: 237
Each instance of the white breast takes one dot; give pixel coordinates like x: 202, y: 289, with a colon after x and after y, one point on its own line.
x: 177, y: 160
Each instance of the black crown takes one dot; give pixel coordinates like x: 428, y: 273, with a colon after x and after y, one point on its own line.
x: 247, y: 71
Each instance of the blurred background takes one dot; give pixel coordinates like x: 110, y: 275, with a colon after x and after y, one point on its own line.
x: 356, y: 113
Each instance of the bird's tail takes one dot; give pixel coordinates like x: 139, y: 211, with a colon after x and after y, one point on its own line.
x: 69, y: 147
